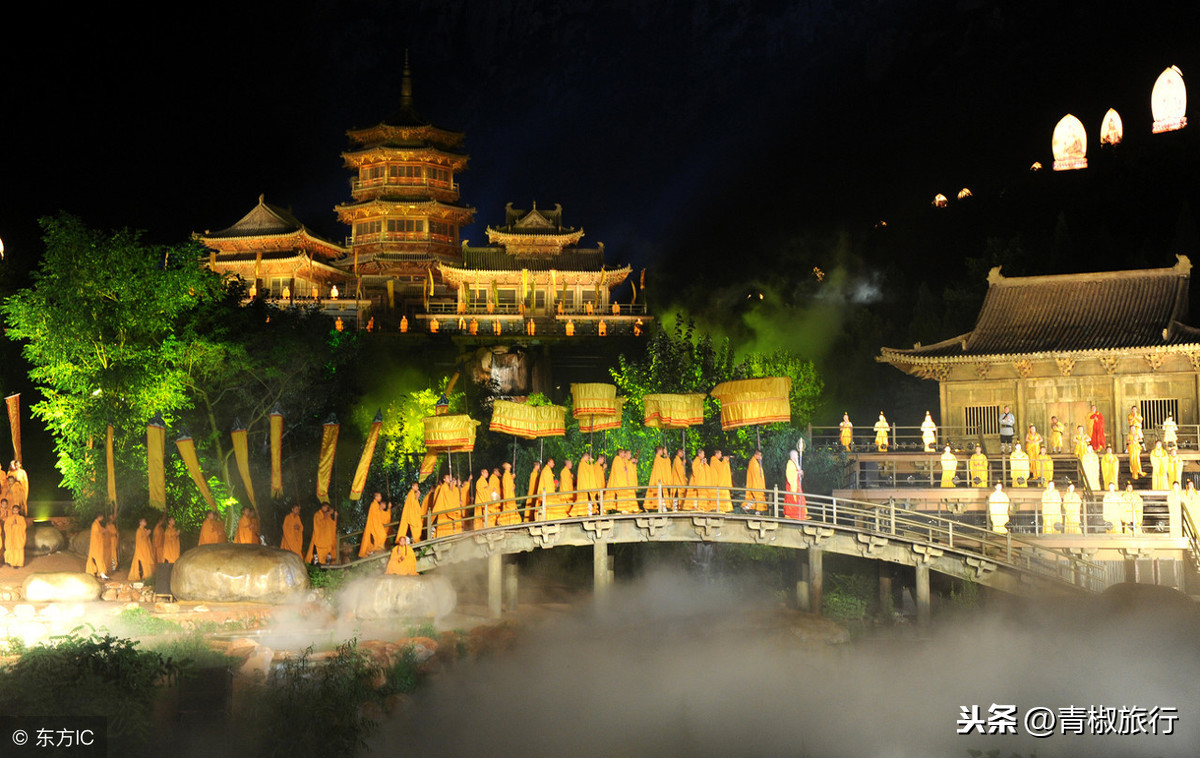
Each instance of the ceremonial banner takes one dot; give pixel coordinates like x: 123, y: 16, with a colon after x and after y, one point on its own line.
x: 595, y: 399
x: 754, y: 401
x: 329, y: 435
x: 187, y: 451
x: 242, y: 454
x: 276, y: 420
x: 428, y: 466
x: 528, y: 421
x: 364, y: 463
x: 112, y: 469
x: 156, y: 440
x: 672, y: 411
x: 599, y: 423
x: 451, y: 433
x: 14, y: 422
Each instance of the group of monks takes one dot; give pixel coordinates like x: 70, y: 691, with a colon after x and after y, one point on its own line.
x: 883, y: 432
x: 14, y: 511
x: 151, y: 547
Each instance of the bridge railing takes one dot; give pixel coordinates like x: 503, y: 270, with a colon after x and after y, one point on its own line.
x: 888, y: 520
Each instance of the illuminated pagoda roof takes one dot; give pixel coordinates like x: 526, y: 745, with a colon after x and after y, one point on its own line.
x: 406, y: 128
x: 534, y: 232
x: 268, y: 227
x: 1043, y: 316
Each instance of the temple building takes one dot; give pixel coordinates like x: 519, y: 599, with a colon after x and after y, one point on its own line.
x: 1057, y: 345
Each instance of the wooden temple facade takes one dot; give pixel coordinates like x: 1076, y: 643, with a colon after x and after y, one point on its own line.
x: 1057, y: 345
x: 404, y: 265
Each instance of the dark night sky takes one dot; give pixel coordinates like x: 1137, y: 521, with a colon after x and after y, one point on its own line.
x: 643, y: 119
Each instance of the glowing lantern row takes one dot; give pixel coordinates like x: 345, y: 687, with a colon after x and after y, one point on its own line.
x: 1168, y: 101
x: 1069, y: 144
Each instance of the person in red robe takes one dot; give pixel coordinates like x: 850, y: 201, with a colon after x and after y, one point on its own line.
x: 1097, y: 420
x: 794, y: 504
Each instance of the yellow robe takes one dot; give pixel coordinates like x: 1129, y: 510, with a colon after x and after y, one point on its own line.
x: 678, y: 479
x: 721, y: 477
x: 696, y: 496
x: 483, y: 502
x: 1033, y: 448
x: 1112, y: 509
x: 142, y: 566
x: 293, y: 534
x: 1071, y: 505
x: 1091, y: 468
x: 157, y: 536
x: 545, y: 488
x: 412, y: 518
x: 846, y: 434
x: 660, y: 475
x: 463, y: 491
x: 324, y: 538
x: 1110, y: 464
x: 881, y: 435
x: 566, y: 490
x: 631, y: 484
x: 1134, y: 508
x: 1018, y: 463
x: 508, y: 509
x: 1082, y: 442
x: 111, y: 546
x: 494, y: 508
x: 374, y: 537
x: 95, y: 557
x: 928, y: 434
x: 247, y: 530
x: 170, y: 550
x: 1135, y: 459
x: 1159, y: 478
x: 1047, y: 466
x: 755, y: 480
x: 14, y: 540
x: 1056, y: 435
x: 402, y: 562
x: 949, y: 467
x: 445, y: 510
x: 531, y: 494
x: 211, y: 532
x: 978, y: 467
x: 1052, y: 511
x: 1174, y: 470
x: 998, y: 512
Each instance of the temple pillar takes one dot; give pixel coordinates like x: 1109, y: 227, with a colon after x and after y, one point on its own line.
x: 922, y: 598
x: 1120, y: 427
x: 816, y: 578
x: 495, y: 565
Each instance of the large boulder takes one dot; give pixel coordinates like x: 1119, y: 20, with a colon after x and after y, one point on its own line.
x: 234, y: 573
x: 43, y: 538
x: 389, y: 596
x: 61, y: 587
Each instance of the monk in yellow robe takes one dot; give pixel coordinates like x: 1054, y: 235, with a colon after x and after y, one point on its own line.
x: 1033, y: 448
x: 1159, y: 477
x: 1057, y: 429
x: 111, y: 543
x: 722, y: 477
x: 1018, y: 465
x: 629, y: 497
x: 566, y: 495
x: 403, y: 560
x: 17, y: 493
x: 1174, y: 467
x: 1072, y: 510
x: 531, y: 493
x: 846, y: 432
x: 508, y: 493
x: 142, y: 566
x: 658, y: 487
x: 374, y: 536
x: 756, y: 485
x: 1134, y: 420
x: 1112, y: 509
x: 1047, y: 466
x: 545, y: 488
x: 615, y: 487
x: 1134, y: 448
x: 998, y: 504
x: 247, y: 528
x: 463, y: 489
x: 96, y: 565
x: 323, y: 547
x: 17, y: 471
x: 445, y: 507
x: 494, y: 507
x: 212, y: 532
x: 977, y: 466
x: 695, y: 494
x: 1110, y: 464
x: 170, y: 549
x: 1134, y: 510
x: 1170, y: 433
x: 293, y: 532
x: 881, y: 433
x: 1091, y: 468
x: 949, y: 467
x: 1190, y: 502
x: 928, y: 432
x: 484, y: 499
x: 1082, y: 441
x: 157, y: 537
x: 678, y: 479
x: 1052, y: 509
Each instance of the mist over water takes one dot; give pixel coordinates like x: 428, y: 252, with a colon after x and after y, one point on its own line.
x: 676, y: 665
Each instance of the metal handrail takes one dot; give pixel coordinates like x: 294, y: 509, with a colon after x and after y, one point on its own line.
x: 886, y: 519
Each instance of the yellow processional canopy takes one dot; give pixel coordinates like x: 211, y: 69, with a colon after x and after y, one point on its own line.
x: 597, y: 406
x: 747, y: 402
x: 673, y: 411
x: 528, y: 421
x: 450, y: 434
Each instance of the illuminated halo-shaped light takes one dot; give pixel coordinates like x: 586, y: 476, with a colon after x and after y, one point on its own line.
x: 1168, y: 101
x: 1069, y: 144
x: 940, y: 201
x: 964, y: 193
x: 1111, y: 129
x: 1037, y: 166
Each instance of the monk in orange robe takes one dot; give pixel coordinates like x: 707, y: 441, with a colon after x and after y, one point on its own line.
x: 142, y: 566
x: 566, y: 488
x: 445, y: 508
x: 14, y: 537
x: 247, y: 528
x: 483, y: 500
x: 756, y: 483
x: 323, y: 547
x: 531, y: 493
x: 722, y: 477
x: 157, y: 536
x: 545, y: 489
x: 170, y: 545
x: 508, y: 493
x: 111, y: 543
x: 403, y: 561
x: 659, y: 482
x: 374, y: 537
x: 494, y: 507
x: 212, y: 532
x: 678, y: 478
x: 697, y: 496
x: 293, y: 532
x: 96, y: 566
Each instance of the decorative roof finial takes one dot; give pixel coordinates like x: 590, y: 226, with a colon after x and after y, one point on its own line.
x: 406, y: 84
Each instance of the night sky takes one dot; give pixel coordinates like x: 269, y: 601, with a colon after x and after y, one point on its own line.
x: 719, y: 143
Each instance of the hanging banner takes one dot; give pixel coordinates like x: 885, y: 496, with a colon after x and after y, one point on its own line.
x: 14, y: 423
x: 673, y: 411
x: 754, y: 401
x: 453, y: 433
x: 364, y: 463
x: 187, y: 451
x: 429, y: 464
x: 156, y: 438
x: 242, y: 454
x: 329, y: 435
x: 276, y: 421
x: 112, y: 469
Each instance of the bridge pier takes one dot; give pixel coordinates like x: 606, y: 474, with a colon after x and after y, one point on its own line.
x: 510, y: 584
x: 885, y: 589
x: 601, y: 574
x: 495, y: 584
x: 922, y: 570
x: 816, y: 578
